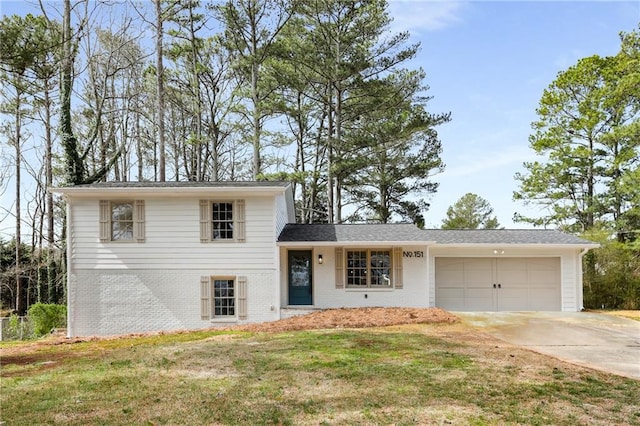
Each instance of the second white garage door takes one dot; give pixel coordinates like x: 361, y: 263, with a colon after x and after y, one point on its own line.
x: 498, y: 284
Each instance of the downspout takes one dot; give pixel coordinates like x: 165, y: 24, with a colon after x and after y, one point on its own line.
x: 70, y: 291
x: 580, y: 298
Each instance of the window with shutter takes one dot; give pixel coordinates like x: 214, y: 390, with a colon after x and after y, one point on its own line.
x: 122, y: 221
x: 222, y: 220
x: 223, y: 297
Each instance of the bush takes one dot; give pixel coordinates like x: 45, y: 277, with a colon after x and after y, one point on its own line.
x: 612, y: 277
x: 46, y: 317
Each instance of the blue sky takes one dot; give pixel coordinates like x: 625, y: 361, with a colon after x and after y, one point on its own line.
x: 487, y: 63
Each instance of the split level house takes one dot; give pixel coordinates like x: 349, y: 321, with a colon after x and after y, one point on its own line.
x: 151, y: 256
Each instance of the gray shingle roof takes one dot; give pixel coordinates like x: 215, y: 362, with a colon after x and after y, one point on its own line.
x: 189, y: 184
x: 351, y: 233
x: 410, y: 233
x: 502, y: 236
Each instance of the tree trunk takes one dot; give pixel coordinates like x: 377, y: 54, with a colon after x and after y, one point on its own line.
x: 160, y: 91
x: 21, y: 296
x: 74, y: 164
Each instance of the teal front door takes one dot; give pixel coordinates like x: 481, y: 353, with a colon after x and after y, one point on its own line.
x: 300, y: 277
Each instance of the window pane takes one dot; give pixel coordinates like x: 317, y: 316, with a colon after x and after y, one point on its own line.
x: 380, y: 268
x: 222, y: 221
x: 223, y: 298
x: 357, y: 268
x: 121, y: 211
x: 121, y: 221
x: 121, y: 231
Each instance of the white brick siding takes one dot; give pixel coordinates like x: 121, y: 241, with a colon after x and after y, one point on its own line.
x: 415, y: 291
x: 117, y: 302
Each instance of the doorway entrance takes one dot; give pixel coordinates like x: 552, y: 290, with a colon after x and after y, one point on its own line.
x: 300, y: 277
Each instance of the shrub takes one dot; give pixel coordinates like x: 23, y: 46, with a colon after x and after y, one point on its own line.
x: 46, y: 317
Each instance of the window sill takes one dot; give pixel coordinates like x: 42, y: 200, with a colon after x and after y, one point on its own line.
x: 369, y: 289
x: 228, y: 320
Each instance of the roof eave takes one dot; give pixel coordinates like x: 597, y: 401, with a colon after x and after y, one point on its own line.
x: 92, y: 192
x: 351, y: 243
x: 519, y: 245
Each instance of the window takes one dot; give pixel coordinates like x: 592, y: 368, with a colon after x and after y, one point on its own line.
x: 122, y: 220
x: 222, y: 220
x: 368, y: 268
x: 223, y: 297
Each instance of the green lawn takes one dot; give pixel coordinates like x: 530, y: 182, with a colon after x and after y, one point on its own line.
x: 426, y: 374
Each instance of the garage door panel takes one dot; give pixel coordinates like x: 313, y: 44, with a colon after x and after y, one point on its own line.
x: 451, y: 277
x: 513, y: 299
x: 479, y: 299
x: 544, y: 277
x: 525, y: 284
x: 545, y: 300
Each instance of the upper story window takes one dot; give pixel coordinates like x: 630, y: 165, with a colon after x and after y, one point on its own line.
x: 122, y: 220
x: 222, y: 220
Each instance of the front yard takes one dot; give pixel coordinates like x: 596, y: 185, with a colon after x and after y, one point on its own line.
x: 443, y: 373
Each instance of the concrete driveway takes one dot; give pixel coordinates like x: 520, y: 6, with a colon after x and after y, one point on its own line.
x: 599, y: 341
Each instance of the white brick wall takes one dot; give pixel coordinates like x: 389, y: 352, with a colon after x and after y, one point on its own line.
x: 325, y: 294
x: 117, y: 302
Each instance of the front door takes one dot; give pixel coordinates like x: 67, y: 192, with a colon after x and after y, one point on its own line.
x: 300, y: 277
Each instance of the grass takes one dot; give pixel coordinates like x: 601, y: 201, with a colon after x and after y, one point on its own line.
x: 401, y: 375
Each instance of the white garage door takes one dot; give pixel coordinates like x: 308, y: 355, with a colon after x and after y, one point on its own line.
x: 498, y: 284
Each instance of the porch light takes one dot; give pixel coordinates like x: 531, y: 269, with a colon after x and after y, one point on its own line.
x: 320, y: 260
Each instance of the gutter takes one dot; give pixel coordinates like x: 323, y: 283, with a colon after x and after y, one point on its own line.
x: 92, y: 192
x: 373, y: 243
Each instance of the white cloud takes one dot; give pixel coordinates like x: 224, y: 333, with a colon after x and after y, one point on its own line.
x: 418, y: 16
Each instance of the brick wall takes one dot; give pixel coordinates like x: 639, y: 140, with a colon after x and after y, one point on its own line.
x: 120, y: 301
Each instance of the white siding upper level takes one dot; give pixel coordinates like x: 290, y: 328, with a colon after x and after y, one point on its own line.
x: 172, y: 236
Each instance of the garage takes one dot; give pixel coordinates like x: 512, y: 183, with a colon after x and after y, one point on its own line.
x: 498, y: 284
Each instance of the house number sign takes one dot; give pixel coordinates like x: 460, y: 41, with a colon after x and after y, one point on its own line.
x: 417, y: 253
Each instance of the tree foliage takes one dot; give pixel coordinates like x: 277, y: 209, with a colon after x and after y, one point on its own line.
x: 587, y: 134
x: 319, y: 93
x: 588, y: 178
x: 470, y: 212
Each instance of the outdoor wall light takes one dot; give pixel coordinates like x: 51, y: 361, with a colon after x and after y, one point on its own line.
x: 320, y: 259
x: 498, y: 251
